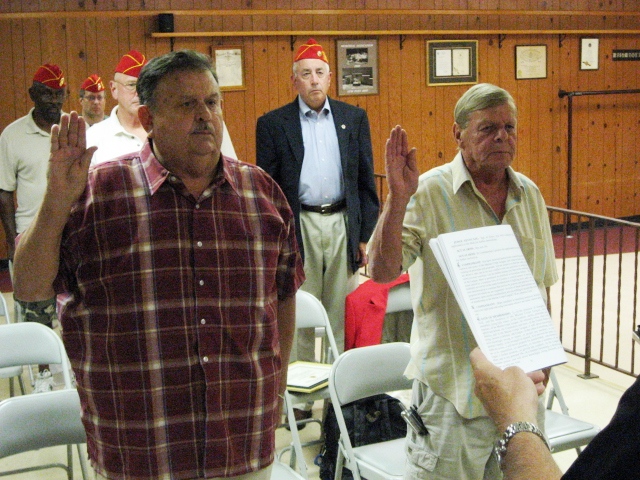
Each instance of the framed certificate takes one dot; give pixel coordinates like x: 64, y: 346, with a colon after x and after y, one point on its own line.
x: 531, y: 61
x: 452, y: 62
x: 589, y: 53
x: 229, y: 64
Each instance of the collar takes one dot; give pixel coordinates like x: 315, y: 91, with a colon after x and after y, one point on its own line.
x: 156, y: 174
x: 304, y: 108
x: 461, y: 175
x: 32, y: 127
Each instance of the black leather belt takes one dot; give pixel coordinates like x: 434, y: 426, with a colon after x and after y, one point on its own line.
x: 326, y: 209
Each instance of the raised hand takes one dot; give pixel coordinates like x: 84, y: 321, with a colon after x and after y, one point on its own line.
x: 401, y: 166
x: 69, y: 160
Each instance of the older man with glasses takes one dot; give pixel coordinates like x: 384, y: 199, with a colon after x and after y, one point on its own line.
x: 24, y: 160
x: 122, y: 132
x: 93, y: 100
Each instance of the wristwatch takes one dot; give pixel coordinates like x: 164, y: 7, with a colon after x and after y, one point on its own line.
x: 500, y: 448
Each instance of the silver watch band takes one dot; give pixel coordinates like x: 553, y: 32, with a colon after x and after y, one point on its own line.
x: 500, y: 448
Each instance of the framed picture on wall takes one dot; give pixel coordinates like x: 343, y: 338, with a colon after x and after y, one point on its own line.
x: 531, y: 61
x: 453, y: 62
x: 589, y: 53
x: 357, y: 67
x: 229, y: 64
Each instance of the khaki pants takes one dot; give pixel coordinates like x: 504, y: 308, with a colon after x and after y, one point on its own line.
x: 328, y: 276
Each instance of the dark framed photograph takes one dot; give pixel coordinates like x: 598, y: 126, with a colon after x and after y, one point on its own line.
x: 531, y: 61
x: 452, y: 62
x: 357, y: 67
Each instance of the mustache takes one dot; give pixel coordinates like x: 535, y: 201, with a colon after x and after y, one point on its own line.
x: 203, y: 127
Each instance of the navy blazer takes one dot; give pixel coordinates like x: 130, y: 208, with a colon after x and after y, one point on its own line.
x: 280, y: 152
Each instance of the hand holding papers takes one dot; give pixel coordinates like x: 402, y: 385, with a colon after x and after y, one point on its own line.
x: 498, y: 296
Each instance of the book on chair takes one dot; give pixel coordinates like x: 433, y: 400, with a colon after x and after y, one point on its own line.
x: 307, y: 377
x: 498, y: 296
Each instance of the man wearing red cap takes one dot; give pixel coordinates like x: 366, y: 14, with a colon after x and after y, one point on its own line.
x: 24, y: 160
x: 122, y: 132
x: 93, y: 100
x: 319, y: 151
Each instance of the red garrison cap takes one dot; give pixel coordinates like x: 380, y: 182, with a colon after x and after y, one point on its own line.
x: 93, y: 84
x: 311, y: 49
x: 51, y: 76
x: 131, y: 63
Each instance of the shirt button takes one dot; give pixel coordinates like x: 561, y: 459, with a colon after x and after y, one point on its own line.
x: 199, y: 244
x: 201, y: 282
x: 197, y: 206
x: 205, y: 359
x: 203, y: 321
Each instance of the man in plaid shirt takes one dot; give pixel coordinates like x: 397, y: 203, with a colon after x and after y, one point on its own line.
x: 177, y: 269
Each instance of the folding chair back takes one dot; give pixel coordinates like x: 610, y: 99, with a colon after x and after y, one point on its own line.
x: 39, y: 420
x: 310, y: 313
x: 10, y: 372
x: 364, y: 372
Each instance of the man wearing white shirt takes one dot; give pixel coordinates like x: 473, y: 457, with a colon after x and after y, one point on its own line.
x: 121, y: 132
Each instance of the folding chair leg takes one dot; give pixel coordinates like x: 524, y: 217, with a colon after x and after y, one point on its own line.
x: 83, y: 463
x: 69, y: 462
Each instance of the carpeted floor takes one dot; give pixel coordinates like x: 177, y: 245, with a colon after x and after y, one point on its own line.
x: 606, y: 240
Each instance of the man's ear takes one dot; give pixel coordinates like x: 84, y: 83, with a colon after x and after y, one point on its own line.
x: 146, y: 118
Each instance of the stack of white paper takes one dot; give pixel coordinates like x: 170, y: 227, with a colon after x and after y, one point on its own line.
x: 498, y: 296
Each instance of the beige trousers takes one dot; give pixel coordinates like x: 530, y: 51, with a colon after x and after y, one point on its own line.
x: 328, y: 276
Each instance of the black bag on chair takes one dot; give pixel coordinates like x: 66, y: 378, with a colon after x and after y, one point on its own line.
x: 369, y: 420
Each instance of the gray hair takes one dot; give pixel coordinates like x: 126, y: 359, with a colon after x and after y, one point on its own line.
x: 159, y: 67
x: 479, y: 97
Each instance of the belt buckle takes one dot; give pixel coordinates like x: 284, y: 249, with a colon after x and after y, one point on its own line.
x: 325, y: 209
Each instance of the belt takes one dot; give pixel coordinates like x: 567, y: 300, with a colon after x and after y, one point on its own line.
x: 326, y: 209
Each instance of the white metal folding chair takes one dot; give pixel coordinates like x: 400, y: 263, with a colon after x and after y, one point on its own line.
x: 562, y: 430
x: 282, y: 470
x: 10, y: 372
x: 35, y: 421
x: 310, y: 313
x: 364, y: 372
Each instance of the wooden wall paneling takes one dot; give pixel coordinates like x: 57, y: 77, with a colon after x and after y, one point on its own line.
x: 263, y: 73
x: 77, y: 67
x: 108, y: 54
x: 556, y: 160
x: 13, y: 63
x: 626, y: 155
x: 28, y: 52
x: 412, y: 86
x: 380, y: 118
x: 542, y: 104
x: 244, y: 132
x: 610, y: 111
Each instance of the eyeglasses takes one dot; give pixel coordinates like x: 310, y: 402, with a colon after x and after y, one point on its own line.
x: 93, y: 98
x: 129, y: 86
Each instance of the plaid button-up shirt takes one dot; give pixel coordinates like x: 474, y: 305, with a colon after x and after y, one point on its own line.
x: 168, y: 309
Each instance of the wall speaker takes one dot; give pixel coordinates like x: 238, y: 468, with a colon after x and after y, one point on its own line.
x: 165, y: 22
